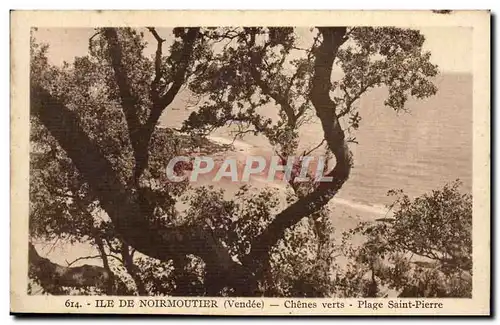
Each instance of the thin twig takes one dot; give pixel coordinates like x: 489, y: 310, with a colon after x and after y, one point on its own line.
x: 316, y: 147
x: 158, y: 72
x: 83, y: 258
x: 92, y: 37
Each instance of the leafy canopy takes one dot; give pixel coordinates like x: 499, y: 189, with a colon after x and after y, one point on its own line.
x: 237, y: 76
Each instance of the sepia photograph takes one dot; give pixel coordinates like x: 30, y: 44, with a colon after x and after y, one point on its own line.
x: 174, y: 166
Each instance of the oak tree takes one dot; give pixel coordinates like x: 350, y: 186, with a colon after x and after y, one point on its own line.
x: 98, y: 156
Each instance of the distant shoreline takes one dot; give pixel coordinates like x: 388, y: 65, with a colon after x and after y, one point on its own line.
x: 244, y: 149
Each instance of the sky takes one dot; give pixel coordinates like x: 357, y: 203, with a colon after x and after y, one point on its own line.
x: 451, y: 47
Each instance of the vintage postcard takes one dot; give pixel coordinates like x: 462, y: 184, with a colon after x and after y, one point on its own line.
x: 250, y: 162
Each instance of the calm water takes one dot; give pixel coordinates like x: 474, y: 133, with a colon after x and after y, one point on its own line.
x: 416, y: 151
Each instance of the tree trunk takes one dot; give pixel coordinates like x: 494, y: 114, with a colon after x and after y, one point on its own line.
x: 166, y: 243
x: 121, y: 205
x: 335, y: 138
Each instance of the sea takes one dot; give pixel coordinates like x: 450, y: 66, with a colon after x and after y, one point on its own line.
x: 417, y: 150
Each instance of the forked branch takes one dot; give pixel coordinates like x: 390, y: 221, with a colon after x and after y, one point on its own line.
x: 334, y: 136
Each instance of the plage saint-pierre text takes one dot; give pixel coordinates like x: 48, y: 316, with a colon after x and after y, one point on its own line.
x: 254, y: 303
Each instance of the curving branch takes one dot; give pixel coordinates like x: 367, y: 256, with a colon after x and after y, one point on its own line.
x: 179, y: 79
x: 91, y: 257
x: 121, y: 205
x: 158, y: 71
x: 139, y: 133
x: 350, y: 100
x: 133, y: 270
x: 282, y: 100
x: 266, y: 89
x: 324, y: 54
x: 129, y: 101
x: 104, y: 257
x: 52, y: 276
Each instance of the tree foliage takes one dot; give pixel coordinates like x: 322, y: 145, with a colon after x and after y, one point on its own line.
x: 423, y: 250
x: 98, y: 157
